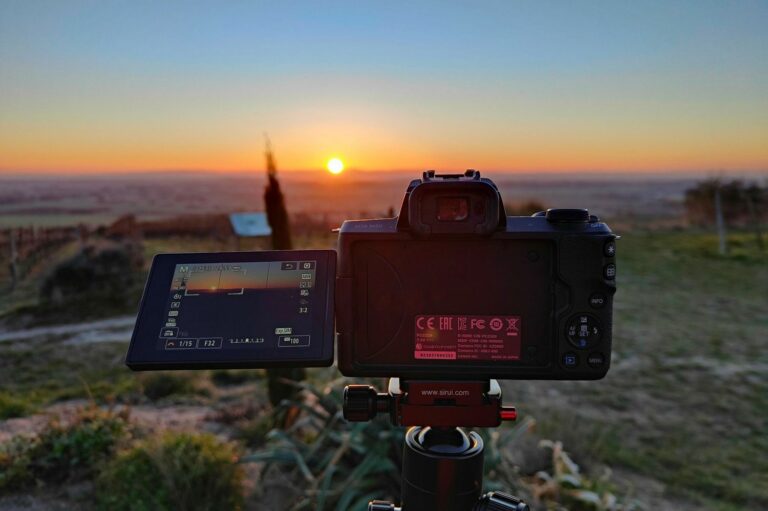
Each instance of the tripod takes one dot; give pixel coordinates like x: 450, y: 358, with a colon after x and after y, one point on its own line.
x: 442, y: 463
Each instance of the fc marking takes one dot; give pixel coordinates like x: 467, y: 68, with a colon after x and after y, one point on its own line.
x: 477, y: 324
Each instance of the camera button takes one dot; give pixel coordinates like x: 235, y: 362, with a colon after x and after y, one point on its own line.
x: 570, y: 359
x: 609, y: 249
x: 610, y: 271
x: 596, y: 360
x: 597, y: 300
x: 583, y: 331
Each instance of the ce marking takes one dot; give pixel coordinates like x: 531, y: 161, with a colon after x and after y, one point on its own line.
x: 430, y: 323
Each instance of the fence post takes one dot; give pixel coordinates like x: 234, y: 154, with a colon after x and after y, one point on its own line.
x: 755, y: 220
x: 720, y: 221
x: 13, y: 263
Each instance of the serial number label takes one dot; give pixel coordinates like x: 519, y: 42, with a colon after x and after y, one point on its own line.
x: 443, y: 337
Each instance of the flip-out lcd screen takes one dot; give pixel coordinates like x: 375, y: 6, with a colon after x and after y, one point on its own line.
x: 257, y: 309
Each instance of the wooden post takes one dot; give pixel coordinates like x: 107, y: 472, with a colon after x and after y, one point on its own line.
x: 14, y: 255
x: 720, y: 222
x: 755, y: 220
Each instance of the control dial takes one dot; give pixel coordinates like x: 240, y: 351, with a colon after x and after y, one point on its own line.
x: 583, y: 331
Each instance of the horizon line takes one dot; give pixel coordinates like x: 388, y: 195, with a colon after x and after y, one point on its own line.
x: 5, y: 172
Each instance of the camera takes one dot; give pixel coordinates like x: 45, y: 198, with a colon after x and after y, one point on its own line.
x: 450, y: 289
x: 444, y: 299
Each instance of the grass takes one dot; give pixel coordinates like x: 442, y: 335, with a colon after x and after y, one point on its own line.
x: 338, y: 466
x: 12, y: 406
x: 686, y: 398
x: 334, y: 465
x: 26, y: 293
x: 62, y: 453
x: 159, y: 385
x: 177, y: 471
x: 46, y: 371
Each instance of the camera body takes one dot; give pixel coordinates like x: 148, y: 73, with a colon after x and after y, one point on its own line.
x: 451, y: 289
x: 454, y: 289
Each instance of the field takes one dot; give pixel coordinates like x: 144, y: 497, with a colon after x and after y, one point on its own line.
x: 681, y: 419
x: 95, y: 200
x: 686, y: 400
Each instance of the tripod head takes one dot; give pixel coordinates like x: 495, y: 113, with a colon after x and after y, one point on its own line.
x: 442, y: 463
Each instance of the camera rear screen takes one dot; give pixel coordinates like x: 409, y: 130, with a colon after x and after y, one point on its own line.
x: 257, y: 309
x: 434, y: 307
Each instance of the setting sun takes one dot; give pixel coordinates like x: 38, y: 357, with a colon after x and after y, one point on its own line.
x: 335, y: 166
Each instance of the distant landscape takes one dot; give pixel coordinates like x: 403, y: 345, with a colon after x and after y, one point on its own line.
x: 678, y: 424
x: 66, y: 200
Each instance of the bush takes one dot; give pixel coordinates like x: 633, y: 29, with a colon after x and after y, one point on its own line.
x: 104, y: 279
x: 179, y: 471
x: 11, y: 407
x: 159, y: 385
x: 566, y: 484
x: 253, y: 432
x: 61, y: 452
x: 333, y: 464
x: 15, y: 470
x: 224, y: 377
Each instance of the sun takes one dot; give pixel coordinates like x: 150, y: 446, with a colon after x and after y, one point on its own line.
x: 335, y: 166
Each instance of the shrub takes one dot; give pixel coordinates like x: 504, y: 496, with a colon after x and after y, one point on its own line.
x: 566, y: 484
x: 62, y: 452
x: 178, y: 471
x: 107, y: 272
x: 15, y: 470
x: 74, y: 450
x: 11, y: 406
x: 253, y: 432
x: 333, y: 464
x: 337, y: 465
x: 159, y: 385
x: 225, y: 377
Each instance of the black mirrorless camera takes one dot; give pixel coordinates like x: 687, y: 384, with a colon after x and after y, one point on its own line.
x: 451, y: 289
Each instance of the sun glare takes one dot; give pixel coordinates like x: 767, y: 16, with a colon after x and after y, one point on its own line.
x: 335, y: 166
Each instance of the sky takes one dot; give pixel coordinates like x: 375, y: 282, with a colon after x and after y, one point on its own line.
x: 539, y: 86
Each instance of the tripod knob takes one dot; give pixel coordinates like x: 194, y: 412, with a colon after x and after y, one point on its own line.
x: 359, y: 403
x: 499, y: 501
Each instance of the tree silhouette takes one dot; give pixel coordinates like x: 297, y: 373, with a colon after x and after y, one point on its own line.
x: 277, y: 215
